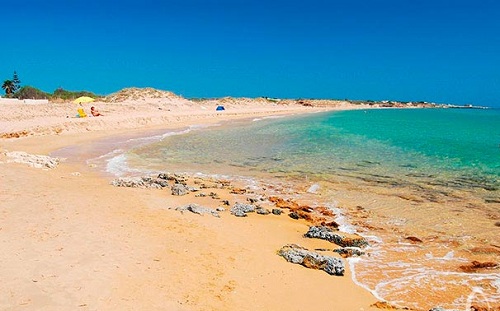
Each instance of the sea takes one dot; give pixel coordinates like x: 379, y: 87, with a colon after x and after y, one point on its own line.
x: 422, y: 185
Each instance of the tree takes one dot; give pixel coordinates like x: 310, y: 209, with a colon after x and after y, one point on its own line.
x: 8, y: 86
x: 16, y: 81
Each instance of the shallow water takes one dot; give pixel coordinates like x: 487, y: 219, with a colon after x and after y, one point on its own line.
x: 427, y: 173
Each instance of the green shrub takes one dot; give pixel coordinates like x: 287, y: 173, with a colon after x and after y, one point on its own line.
x: 29, y: 92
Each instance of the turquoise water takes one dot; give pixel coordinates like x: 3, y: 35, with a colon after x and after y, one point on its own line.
x: 455, y: 148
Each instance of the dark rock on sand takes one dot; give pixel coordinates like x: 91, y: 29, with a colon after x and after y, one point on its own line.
x: 179, y: 189
x: 241, y: 210
x: 252, y: 200
x: 277, y: 211
x: 262, y: 211
x: 299, y: 255
x: 293, y: 215
x: 225, y: 202
x: 214, y: 196
x: 197, y: 209
x: 326, y: 233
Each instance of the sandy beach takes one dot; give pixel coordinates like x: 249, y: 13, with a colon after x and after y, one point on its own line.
x: 72, y: 241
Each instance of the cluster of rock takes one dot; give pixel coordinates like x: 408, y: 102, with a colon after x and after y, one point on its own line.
x: 242, y: 209
x: 298, y: 255
x: 179, y: 186
x: 327, y: 228
x: 37, y: 161
x: 140, y: 182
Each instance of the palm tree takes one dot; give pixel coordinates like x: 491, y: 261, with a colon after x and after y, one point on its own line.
x: 8, y: 86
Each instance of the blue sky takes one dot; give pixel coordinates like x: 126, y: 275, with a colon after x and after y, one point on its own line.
x: 441, y: 50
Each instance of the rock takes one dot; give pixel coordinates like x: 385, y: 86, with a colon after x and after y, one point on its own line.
x: 280, y: 203
x: 293, y: 215
x: 193, y: 189
x: 239, y: 213
x: 299, y: 255
x: 241, y: 210
x: 277, y: 211
x: 476, y: 265
x: 179, y: 189
x: 136, y: 182
x: 200, y: 195
x: 485, y: 250
x: 326, y: 211
x: 304, y: 215
x: 163, y: 176
x: 214, y: 196
x: 386, y: 306
x: 197, y: 209
x: 238, y: 191
x: 349, y: 251
x: 37, y: 161
x: 414, y: 239
x: 262, y: 211
x: 220, y: 209
x: 326, y: 233
x: 176, y: 178
x: 225, y: 202
x: 161, y: 182
x: 330, y: 224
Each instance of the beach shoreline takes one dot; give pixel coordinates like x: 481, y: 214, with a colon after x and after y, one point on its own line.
x: 83, y: 243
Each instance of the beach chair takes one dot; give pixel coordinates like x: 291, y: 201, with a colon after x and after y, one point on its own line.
x: 81, y: 113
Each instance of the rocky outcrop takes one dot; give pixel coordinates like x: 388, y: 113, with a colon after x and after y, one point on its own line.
x: 197, y: 209
x: 179, y: 189
x: 296, y: 254
x: 140, y: 182
x: 37, y: 161
x: 241, y: 210
x: 325, y: 233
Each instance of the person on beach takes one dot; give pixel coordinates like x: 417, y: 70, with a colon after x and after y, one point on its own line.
x: 95, y: 112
